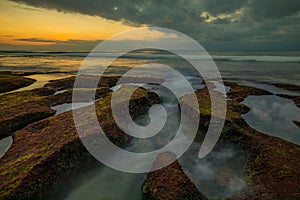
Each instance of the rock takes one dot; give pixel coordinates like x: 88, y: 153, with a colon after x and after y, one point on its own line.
x: 169, y: 183
x: 20, y: 109
x: 297, y: 123
x: 272, y: 165
x: 9, y: 82
x: 45, y: 154
x: 239, y: 93
x: 105, y: 81
x: 288, y: 87
x: 85, y: 94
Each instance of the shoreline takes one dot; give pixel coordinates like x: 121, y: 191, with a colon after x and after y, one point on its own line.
x: 40, y: 100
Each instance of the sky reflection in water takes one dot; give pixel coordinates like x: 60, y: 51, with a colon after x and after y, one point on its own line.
x: 274, y: 116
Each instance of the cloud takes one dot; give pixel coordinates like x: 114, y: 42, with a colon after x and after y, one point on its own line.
x: 264, y: 9
x: 52, y: 45
x: 38, y: 40
x: 212, y: 22
x: 28, y: 8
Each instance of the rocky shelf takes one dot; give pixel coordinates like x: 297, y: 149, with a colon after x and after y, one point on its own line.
x: 272, y: 166
x: 48, y: 152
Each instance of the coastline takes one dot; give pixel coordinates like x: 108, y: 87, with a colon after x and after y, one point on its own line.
x: 264, y: 152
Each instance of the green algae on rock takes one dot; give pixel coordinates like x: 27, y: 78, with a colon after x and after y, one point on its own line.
x: 85, y: 94
x: 169, y: 183
x: 272, y: 165
x: 44, y: 154
x: 22, y: 108
x: 105, y: 81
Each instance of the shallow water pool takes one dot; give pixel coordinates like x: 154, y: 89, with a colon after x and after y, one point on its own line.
x: 274, y: 116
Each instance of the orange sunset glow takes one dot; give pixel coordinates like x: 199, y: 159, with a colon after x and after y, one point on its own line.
x: 51, y: 26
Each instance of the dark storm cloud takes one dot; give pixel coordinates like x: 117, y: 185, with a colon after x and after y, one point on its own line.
x: 212, y: 22
x: 262, y: 9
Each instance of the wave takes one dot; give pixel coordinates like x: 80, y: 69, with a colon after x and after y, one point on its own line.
x: 150, y: 56
x: 258, y: 58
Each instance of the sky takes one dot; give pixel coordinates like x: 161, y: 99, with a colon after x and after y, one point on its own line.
x: 79, y: 25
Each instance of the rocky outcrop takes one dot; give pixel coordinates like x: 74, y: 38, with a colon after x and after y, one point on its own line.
x: 19, y: 109
x: 297, y: 123
x: 105, y: 81
x: 9, y: 82
x: 293, y: 88
x: 169, y: 183
x: 288, y: 87
x: 272, y: 166
x: 47, y: 153
x: 22, y: 108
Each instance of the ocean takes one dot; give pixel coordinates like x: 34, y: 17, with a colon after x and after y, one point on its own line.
x: 254, y: 66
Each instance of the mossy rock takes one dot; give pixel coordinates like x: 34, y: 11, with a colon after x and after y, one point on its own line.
x: 45, y: 154
x: 9, y: 82
x: 22, y: 108
x: 272, y: 165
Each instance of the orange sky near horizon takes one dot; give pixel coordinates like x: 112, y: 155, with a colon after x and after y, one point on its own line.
x: 19, y: 21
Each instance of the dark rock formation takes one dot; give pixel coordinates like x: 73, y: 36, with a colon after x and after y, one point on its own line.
x: 288, y: 87
x: 297, y: 123
x: 105, y: 81
x: 9, y: 82
x: 20, y: 109
x: 272, y: 165
x: 48, y: 152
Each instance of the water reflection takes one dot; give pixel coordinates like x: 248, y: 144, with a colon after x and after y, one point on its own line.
x: 220, y: 174
x: 5, y: 144
x: 105, y: 183
x: 273, y: 115
x: 41, y: 80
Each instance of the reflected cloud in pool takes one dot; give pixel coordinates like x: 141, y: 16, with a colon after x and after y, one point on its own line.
x: 273, y: 115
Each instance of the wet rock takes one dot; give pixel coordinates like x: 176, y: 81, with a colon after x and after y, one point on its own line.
x: 169, y: 183
x: 9, y: 82
x: 297, y: 123
x: 45, y: 154
x: 288, y: 87
x: 105, y: 81
x: 272, y: 165
x: 20, y: 109
x: 86, y: 95
x: 239, y: 93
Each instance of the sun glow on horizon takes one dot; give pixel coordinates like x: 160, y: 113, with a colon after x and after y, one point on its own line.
x: 26, y: 25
